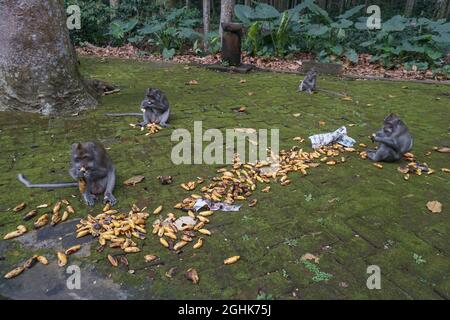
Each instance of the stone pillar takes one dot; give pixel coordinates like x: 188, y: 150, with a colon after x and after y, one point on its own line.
x: 231, y: 43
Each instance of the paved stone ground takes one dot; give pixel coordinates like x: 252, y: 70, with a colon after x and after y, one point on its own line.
x: 351, y: 216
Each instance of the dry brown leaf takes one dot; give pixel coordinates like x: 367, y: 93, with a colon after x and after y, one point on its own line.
x: 434, y: 206
x: 192, y: 275
x: 133, y: 180
x: 443, y: 150
x: 192, y: 82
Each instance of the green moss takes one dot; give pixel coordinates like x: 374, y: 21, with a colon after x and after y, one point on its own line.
x: 353, y: 211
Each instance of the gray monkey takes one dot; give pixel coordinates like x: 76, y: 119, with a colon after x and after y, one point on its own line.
x: 155, y: 109
x: 394, y: 140
x: 309, y: 83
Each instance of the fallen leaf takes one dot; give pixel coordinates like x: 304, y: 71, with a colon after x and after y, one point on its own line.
x: 19, y: 207
x: 171, y: 272
x: 322, y: 123
x: 310, y: 256
x: 434, y: 206
x: 242, y: 81
x: 443, y: 150
x: 133, y: 180
x: 192, y: 275
x: 297, y: 115
x: 192, y: 82
x: 347, y: 98
x: 251, y: 94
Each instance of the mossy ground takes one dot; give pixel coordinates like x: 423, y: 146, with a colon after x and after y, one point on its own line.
x: 357, y: 215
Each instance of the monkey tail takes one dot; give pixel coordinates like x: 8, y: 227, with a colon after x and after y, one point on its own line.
x: 28, y: 184
x: 123, y: 114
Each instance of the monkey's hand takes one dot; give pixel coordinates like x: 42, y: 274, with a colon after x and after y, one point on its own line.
x: 89, y: 199
x: 109, y: 198
x: 372, y: 137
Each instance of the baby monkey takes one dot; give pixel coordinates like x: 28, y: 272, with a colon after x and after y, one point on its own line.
x: 155, y: 109
x: 91, y: 166
x: 309, y: 84
x: 394, y: 140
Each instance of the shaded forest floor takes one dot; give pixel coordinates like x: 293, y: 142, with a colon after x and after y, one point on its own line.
x: 291, y: 63
x: 350, y: 216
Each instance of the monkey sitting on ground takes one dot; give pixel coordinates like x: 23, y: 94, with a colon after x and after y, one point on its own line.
x: 91, y: 164
x: 394, y: 140
x: 309, y: 84
x: 155, y: 109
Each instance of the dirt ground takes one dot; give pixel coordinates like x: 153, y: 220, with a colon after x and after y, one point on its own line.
x: 350, y: 215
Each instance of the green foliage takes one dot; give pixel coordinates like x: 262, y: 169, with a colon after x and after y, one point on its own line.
x: 419, y: 43
x: 418, y: 259
x: 171, y: 32
x: 319, y: 276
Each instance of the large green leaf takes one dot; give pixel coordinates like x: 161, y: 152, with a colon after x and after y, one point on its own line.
x: 396, y: 23
x: 351, y: 55
x: 317, y: 30
x: 342, y: 24
x: 168, y: 53
x: 244, y: 13
x: 443, y: 38
x: 266, y: 12
x: 351, y: 12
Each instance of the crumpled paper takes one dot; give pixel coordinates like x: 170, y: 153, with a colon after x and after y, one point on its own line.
x: 339, y: 136
x: 214, y: 206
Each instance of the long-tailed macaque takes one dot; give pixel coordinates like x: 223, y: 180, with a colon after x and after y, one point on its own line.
x: 309, y: 84
x: 394, y: 140
x: 155, y: 109
x: 91, y: 164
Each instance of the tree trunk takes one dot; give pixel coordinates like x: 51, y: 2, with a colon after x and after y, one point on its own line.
x: 409, y: 7
x: 443, y: 9
x: 206, y: 19
x: 114, y: 5
x: 248, y: 3
x: 38, y: 65
x: 226, y: 13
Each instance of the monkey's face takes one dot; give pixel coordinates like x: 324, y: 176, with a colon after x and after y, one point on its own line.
x: 83, y: 161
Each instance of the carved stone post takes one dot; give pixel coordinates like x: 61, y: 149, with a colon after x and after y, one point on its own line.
x: 231, y: 43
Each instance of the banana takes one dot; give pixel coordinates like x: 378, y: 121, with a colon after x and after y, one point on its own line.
x: 206, y: 213
x: 62, y: 258
x: 65, y: 216
x: 82, y: 185
x: 72, y: 250
x: 131, y: 249
x: 198, y: 244
x: 231, y: 260
x: 42, y: 221
x: 179, y: 245
x: 164, y: 242
x: 14, y: 272
x: 150, y: 257
x: 42, y: 260
x: 112, y: 260
x: 205, y: 231
x: 158, y: 210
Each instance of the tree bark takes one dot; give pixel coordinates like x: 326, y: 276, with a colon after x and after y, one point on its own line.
x: 248, y: 3
x: 114, y: 5
x: 409, y: 7
x: 206, y: 22
x: 226, y: 13
x: 38, y: 65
